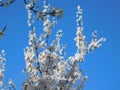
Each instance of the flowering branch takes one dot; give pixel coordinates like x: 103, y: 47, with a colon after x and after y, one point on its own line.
x: 2, y: 70
x: 94, y: 42
x: 46, y: 66
x: 41, y: 14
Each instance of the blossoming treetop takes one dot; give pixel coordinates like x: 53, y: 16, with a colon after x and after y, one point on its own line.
x: 46, y: 65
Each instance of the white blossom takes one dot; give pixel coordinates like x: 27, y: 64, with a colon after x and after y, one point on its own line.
x: 80, y: 38
x: 47, y: 26
x: 30, y: 17
x: 2, y: 70
x: 95, y: 43
x: 46, y: 65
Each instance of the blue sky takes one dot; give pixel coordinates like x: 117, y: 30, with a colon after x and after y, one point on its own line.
x: 102, y: 66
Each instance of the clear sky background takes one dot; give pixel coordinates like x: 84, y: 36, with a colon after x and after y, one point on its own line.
x: 102, y: 66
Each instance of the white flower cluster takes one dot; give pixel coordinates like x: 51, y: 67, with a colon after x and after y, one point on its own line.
x: 47, y: 26
x: 42, y: 14
x: 30, y: 17
x: 94, y: 42
x: 2, y: 70
x: 46, y: 66
x: 31, y: 54
x: 80, y: 38
x: 47, y: 23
